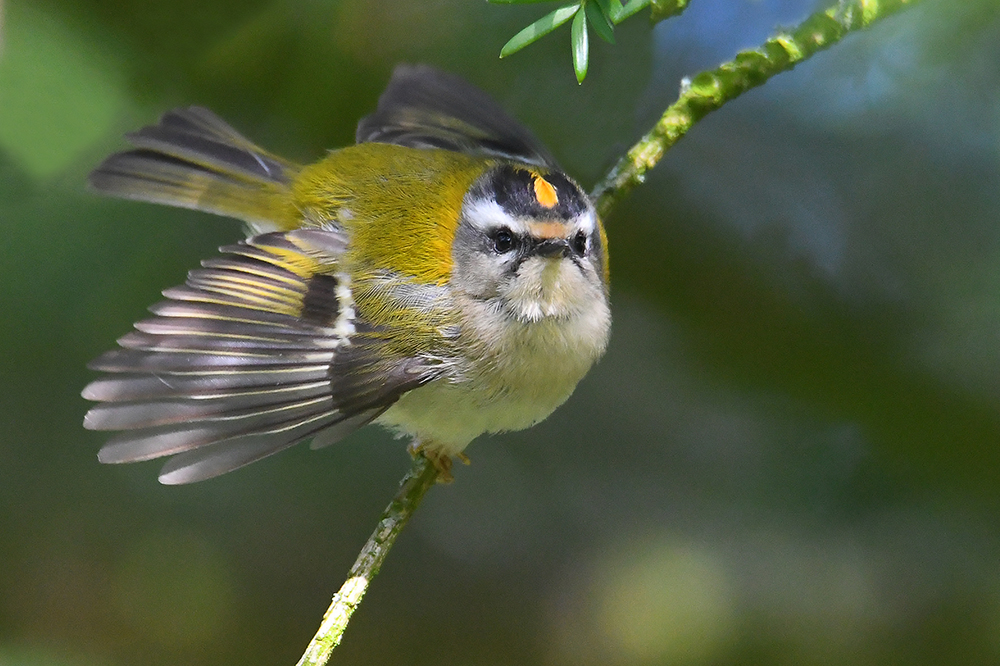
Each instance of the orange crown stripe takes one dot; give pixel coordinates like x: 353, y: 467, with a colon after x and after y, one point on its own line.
x: 547, y: 230
x: 545, y: 193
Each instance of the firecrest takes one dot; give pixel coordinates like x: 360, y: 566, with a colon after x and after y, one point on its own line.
x: 442, y: 277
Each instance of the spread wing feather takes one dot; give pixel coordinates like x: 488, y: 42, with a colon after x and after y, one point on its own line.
x: 423, y: 107
x: 226, y: 456
x: 259, y: 350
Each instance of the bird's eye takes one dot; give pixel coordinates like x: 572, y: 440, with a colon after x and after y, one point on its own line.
x: 503, y: 240
x: 579, y: 243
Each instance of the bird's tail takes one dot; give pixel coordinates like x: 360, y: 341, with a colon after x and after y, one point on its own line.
x: 194, y: 159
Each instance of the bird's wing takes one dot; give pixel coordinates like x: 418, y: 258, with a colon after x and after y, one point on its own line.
x: 423, y: 107
x: 260, y: 349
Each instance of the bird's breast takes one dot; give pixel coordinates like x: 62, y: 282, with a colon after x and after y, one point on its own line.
x: 510, y: 375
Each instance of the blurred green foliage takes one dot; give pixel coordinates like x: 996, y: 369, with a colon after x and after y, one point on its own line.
x: 791, y: 454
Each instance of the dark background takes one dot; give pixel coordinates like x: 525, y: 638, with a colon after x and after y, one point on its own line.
x: 790, y: 454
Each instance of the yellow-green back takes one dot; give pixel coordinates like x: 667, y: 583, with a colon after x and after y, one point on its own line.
x: 399, y: 206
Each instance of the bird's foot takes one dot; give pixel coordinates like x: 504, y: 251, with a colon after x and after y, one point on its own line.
x: 441, y: 461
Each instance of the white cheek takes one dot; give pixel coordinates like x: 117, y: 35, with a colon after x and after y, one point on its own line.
x: 480, y: 274
x: 586, y: 222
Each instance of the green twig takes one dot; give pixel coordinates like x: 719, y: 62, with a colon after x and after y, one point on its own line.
x: 412, y: 488
x: 709, y: 90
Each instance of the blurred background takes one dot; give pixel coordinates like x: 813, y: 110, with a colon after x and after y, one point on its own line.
x: 790, y: 455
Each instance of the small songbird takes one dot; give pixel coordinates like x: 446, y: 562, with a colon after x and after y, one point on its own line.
x: 442, y: 277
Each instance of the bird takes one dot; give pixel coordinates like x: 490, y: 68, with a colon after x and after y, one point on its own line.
x: 442, y: 277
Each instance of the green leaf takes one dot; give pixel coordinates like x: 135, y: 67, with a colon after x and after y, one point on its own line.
x: 615, y: 10
x: 619, y: 11
x: 539, y: 29
x: 602, y: 26
x: 517, y: 2
x: 581, y: 46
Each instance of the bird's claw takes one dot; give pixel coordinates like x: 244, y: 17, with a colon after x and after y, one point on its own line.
x: 441, y: 461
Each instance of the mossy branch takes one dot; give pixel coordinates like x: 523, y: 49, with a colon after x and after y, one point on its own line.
x: 709, y: 90
x: 699, y: 95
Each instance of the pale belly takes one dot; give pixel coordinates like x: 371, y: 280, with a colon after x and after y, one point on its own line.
x: 537, y: 371
x: 447, y: 416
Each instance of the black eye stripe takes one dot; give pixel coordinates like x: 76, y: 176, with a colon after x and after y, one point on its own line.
x: 503, y: 239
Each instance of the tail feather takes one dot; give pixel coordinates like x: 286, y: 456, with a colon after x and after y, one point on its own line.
x: 193, y: 159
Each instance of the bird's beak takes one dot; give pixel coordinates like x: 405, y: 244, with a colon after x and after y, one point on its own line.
x: 551, y: 247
